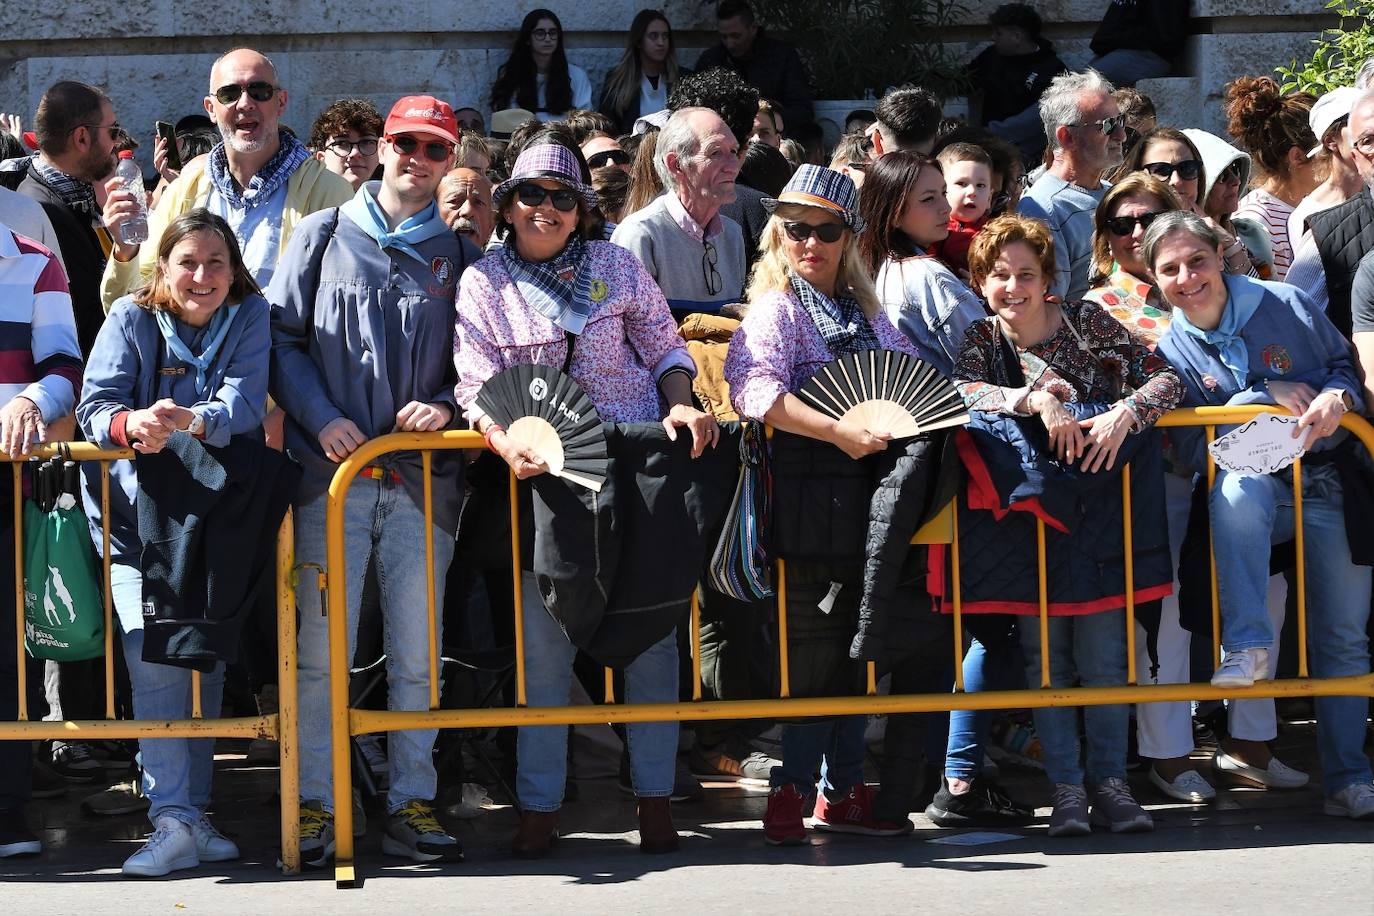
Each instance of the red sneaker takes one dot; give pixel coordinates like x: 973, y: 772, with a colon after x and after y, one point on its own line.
x: 853, y: 813
x: 782, y: 819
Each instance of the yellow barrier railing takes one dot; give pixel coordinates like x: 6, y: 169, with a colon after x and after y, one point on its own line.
x: 280, y: 726
x: 347, y: 721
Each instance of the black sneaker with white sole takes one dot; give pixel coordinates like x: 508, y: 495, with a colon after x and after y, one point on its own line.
x: 983, y: 805
x: 15, y: 837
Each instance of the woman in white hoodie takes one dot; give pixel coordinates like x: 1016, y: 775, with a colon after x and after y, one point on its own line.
x: 1227, y: 173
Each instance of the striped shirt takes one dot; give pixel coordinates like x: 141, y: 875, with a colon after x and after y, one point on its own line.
x: 1267, y: 210
x: 39, y: 356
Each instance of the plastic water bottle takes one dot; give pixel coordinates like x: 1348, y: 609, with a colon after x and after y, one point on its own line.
x: 134, y: 230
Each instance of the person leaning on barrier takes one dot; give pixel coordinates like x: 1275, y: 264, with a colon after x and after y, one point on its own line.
x: 362, y: 337
x: 39, y: 384
x: 1238, y: 341
x: 811, y: 299
x: 1075, y: 371
x: 517, y: 306
x: 202, y: 315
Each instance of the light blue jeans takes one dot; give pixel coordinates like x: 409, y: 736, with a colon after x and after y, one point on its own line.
x: 1244, y: 508
x: 986, y: 667
x: 1091, y: 649
x: 381, y: 522
x: 177, y: 772
x: 542, y: 750
x: 836, y: 746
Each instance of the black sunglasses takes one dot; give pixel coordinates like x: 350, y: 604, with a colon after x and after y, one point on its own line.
x: 533, y: 195
x: 1231, y: 172
x: 608, y: 157
x: 344, y: 148
x: 1188, y: 169
x: 1106, y: 125
x: 826, y: 232
x: 1122, y: 226
x: 435, y: 150
x: 259, y: 92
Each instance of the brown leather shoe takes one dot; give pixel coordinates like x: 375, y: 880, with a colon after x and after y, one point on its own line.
x: 656, y: 833
x: 538, y: 830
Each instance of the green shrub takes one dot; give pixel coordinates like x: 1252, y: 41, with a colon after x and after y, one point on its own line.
x: 1340, y: 51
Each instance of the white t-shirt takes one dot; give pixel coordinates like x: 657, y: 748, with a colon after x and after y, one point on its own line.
x: 651, y: 99
x: 581, y: 93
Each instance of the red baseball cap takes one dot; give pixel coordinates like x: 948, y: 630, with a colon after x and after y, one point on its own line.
x: 422, y: 114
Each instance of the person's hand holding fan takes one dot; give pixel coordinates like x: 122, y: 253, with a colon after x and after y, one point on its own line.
x: 549, y: 422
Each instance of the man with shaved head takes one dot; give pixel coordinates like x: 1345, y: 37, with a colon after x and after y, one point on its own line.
x: 465, y: 205
x: 260, y: 178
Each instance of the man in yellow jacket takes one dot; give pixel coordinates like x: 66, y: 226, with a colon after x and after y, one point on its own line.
x: 261, y: 179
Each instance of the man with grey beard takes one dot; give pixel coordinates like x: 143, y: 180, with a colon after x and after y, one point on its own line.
x: 465, y: 205
x: 260, y: 178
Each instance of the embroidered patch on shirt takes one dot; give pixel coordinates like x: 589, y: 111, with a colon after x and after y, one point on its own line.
x: 443, y: 270
x: 599, y: 290
x: 1276, y: 357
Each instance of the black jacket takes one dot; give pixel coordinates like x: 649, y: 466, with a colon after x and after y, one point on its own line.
x: 1160, y: 26
x: 747, y: 210
x: 82, y: 253
x: 1344, y: 234
x: 617, y: 568
x: 774, y: 69
x: 1011, y: 83
x: 208, y: 520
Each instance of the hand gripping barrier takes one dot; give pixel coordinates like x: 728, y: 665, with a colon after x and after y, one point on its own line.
x: 346, y: 721
x: 279, y: 726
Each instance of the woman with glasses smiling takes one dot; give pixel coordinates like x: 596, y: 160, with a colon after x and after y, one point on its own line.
x: 553, y: 296
x: 537, y: 75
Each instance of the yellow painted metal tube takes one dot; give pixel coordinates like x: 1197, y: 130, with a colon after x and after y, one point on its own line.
x: 1128, y: 534
x: 1301, y: 567
x: 696, y: 645
x: 20, y: 664
x: 432, y: 631
x: 287, y: 717
x: 871, y: 670
x: 103, y: 729
x: 1212, y: 558
x: 518, y: 594
x: 1044, y: 603
x: 108, y: 589
x: 610, y: 686
x: 784, y: 676
x: 958, y: 604
x: 196, y: 711
x: 336, y: 605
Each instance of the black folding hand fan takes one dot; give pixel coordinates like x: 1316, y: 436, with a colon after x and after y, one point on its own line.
x: 548, y: 413
x: 885, y: 392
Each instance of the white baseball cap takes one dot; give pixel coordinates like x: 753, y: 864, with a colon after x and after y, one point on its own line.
x: 1329, y: 109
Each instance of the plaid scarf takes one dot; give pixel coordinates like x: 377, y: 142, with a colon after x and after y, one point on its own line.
x: 559, y: 288
x: 75, y: 193
x: 841, y: 320
x: 262, y: 185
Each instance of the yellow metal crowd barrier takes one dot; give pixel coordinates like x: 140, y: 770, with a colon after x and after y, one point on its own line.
x: 280, y: 726
x: 346, y: 721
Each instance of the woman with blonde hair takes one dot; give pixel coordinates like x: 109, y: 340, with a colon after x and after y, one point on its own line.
x: 811, y: 299
x: 1121, y: 283
x: 646, y: 74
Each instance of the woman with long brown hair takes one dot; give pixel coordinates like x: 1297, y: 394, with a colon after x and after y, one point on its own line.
x: 646, y: 74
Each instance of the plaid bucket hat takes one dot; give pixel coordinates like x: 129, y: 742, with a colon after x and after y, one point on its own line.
x: 545, y: 160
x: 827, y: 189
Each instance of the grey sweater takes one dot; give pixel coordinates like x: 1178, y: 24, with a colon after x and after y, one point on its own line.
x: 678, y: 261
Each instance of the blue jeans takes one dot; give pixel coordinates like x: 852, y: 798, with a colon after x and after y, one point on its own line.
x: 1243, y: 509
x: 1091, y: 649
x: 542, y: 750
x: 177, y: 772
x: 1128, y: 66
x: 835, y: 745
x: 381, y: 522
x: 987, y: 666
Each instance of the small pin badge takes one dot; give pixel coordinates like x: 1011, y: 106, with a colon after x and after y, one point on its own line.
x: 599, y: 290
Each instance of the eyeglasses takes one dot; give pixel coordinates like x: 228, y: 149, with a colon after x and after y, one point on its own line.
x: 709, y: 274
x: 1122, y: 226
x: 1106, y: 125
x: 545, y: 34
x: 1365, y: 145
x: 533, y: 195
x: 344, y: 148
x: 1187, y: 170
x: 434, y: 150
x: 258, y: 91
x: 826, y: 232
x: 857, y: 166
x: 608, y: 157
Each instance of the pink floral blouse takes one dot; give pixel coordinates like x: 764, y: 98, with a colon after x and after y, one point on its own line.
x: 777, y: 348
x: 630, y: 339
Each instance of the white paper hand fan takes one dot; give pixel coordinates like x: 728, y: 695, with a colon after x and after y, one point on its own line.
x: 548, y: 413
x: 885, y: 392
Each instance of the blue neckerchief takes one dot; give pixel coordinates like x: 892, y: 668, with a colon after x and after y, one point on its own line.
x: 1242, y: 301
x: 215, y: 332
x: 261, y: 186
x: 364, y: 210
x: 840, y: 320
x: 559, y: 288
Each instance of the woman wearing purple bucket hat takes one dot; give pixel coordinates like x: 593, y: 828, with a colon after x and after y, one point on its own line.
x: 550, y: 295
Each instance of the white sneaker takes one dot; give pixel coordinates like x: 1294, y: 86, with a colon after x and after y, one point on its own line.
x: 170, y: 848
x: 1242, y: 668
x: 1278, y: 775
x: 1354, y: 801
x: 1188, y: 786
x: 211, y: 845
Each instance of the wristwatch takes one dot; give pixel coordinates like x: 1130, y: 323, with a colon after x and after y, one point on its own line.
x: 197, y: 424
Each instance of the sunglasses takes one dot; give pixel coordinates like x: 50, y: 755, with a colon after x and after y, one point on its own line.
x: 533, y: 195
x: 1231, y: 172
x: 1187, y: 170
x: 1106, y: 125
x: 258, y: 91
x: 344, y: 148
x: 1122, y: 226
x: 434, y: 150
x: 608, y: 157
x: 826, y: 232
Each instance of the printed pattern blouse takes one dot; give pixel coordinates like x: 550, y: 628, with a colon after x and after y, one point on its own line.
x: 1134, y: 303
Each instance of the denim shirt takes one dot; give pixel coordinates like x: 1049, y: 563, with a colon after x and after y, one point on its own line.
x: 258, y: 230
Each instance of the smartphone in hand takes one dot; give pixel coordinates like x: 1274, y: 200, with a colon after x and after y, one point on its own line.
x: 169, y: 140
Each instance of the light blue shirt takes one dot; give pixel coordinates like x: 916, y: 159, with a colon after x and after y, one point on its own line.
x: 258, y: 230
x: 1068, y: 210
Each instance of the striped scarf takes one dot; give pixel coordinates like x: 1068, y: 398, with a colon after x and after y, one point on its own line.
x: 559, y: 288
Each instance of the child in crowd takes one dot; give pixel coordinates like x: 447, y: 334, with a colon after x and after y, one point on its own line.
x: 968, y: 188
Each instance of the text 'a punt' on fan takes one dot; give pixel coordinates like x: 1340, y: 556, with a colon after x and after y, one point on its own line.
x: 547, y: 412
x: 885, y: 391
